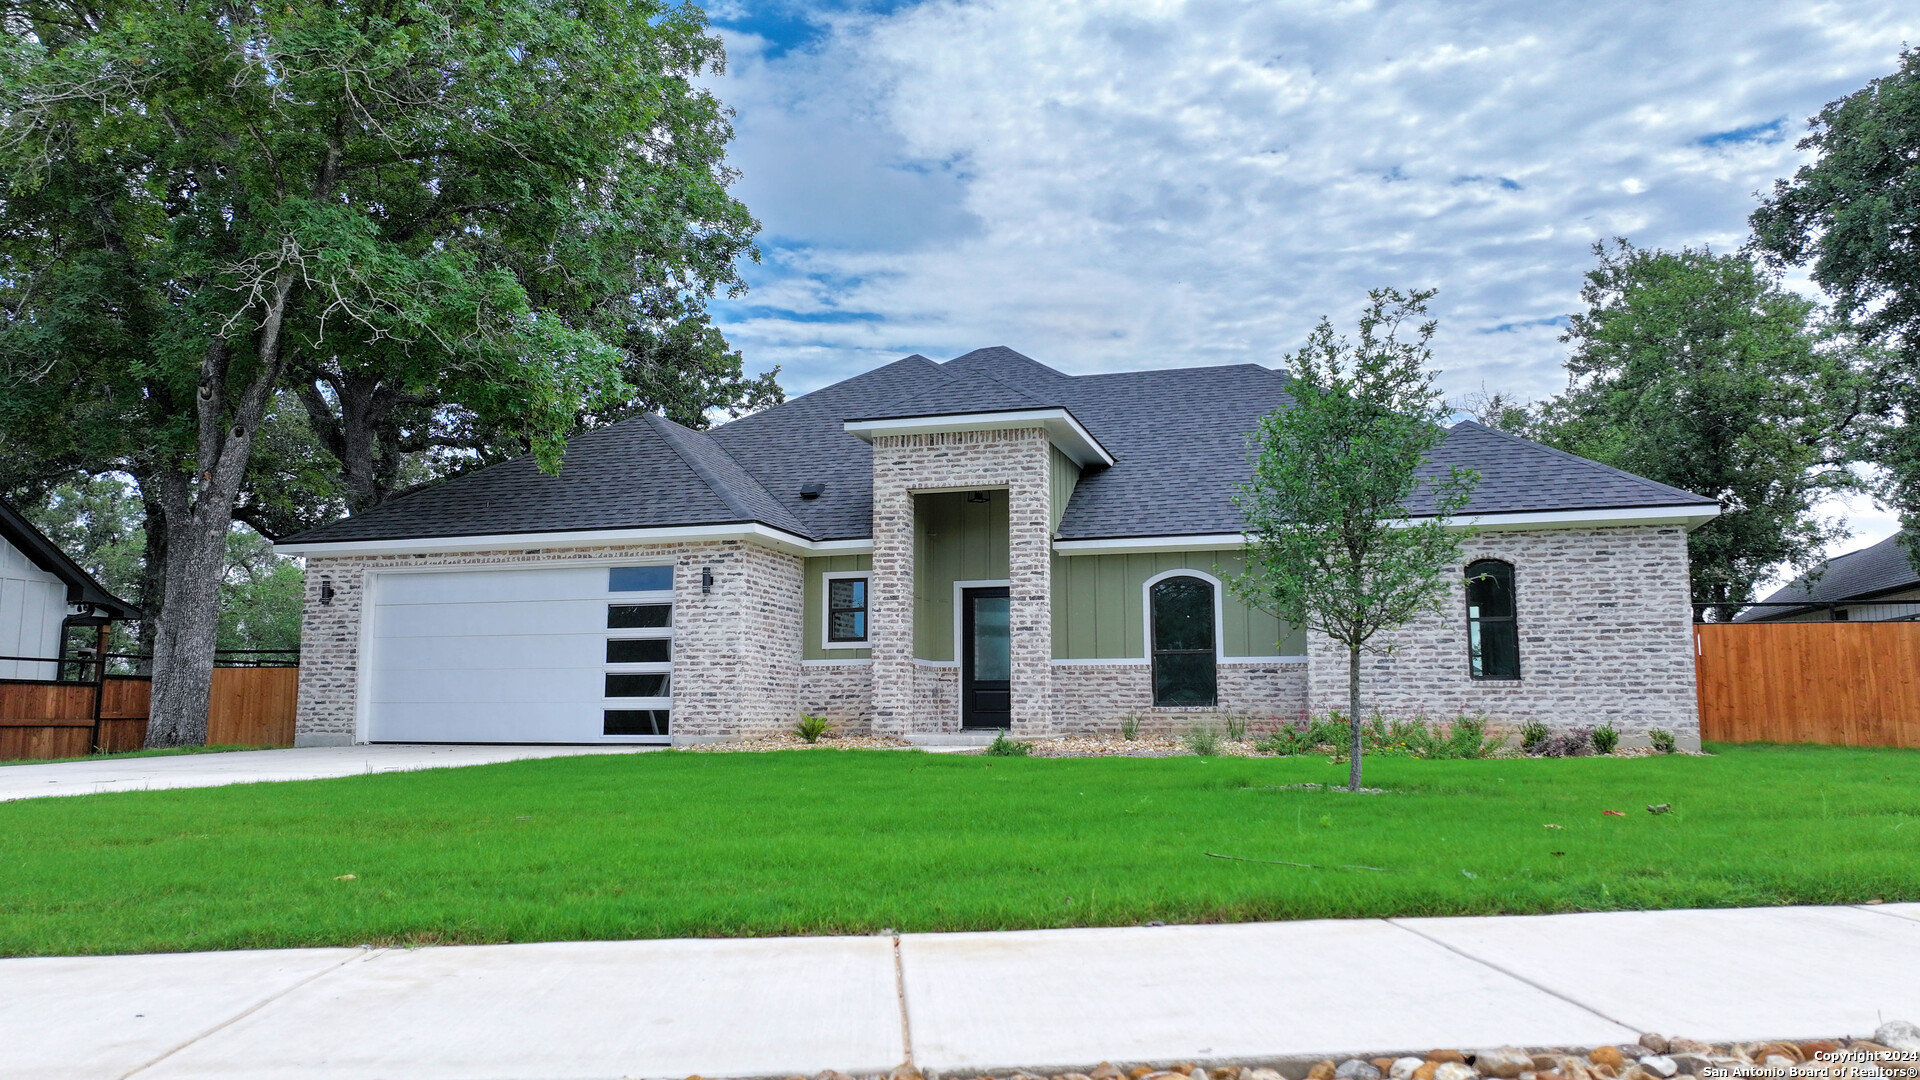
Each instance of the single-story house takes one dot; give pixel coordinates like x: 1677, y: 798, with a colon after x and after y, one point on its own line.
x: 983, y: 543
x: 42, y: 594
x: 1874, y: 584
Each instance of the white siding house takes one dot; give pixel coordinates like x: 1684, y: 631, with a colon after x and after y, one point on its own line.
x: 33, y: 603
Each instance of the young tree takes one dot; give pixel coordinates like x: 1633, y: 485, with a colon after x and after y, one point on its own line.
x: 1698, y: 370
x: 457, y: 197
x: 1853, y: 215
x: 1333, y: 544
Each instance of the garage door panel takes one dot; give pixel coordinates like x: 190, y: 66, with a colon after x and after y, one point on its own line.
x: 555, y: 722
x: 491, y: 620
x: 533, y: 652
x: 488, y: 687
x: 514, y: 655
x: 487, y: 586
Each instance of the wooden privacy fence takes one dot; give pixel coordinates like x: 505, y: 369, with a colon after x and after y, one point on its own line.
x: 250, y: 706
x: 1847, y: 683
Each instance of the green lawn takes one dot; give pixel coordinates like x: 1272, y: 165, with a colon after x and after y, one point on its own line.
x: 680, y: 844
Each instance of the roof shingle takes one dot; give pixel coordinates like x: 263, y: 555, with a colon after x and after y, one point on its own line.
x: 1178, y: 436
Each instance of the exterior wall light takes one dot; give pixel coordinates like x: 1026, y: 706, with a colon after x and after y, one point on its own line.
x: 326, y: 592
x: 706, y: 580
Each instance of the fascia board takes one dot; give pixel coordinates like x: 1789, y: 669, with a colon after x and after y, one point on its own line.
x: 1061, y: 426
x: 778, y: 539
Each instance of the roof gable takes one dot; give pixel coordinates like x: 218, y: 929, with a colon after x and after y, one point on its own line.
x: 45, y: 554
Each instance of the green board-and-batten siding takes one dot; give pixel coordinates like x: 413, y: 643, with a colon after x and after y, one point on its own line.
x: 1099, y: 612
x: 953, y: 540
x: 1062, y: 477
x: 812, y: 630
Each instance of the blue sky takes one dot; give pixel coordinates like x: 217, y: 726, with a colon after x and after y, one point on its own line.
x: 1106, y: 186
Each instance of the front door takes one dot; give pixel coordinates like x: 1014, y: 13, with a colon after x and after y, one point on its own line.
x: 986, y: 659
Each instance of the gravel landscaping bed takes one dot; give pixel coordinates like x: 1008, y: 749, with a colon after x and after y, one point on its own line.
x: 1893, y: 1052
x: 789, y: 741
x: 1066, y: 746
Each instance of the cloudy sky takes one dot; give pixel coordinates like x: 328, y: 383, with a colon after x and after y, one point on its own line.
x: 1108, y: 185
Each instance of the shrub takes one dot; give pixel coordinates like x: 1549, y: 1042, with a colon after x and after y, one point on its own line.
x: 1237, y: 726
x: 1662, y: 740
x: 1573, y: 742
x: 1605, y: 738
x: 1284, y: 740
x: 810, y: 728
x: 1330, y: 730
x: 1467, y: 737
x: 1202, y: 738
x: 1130, y: 726
x: 1533, y: 735
x: 1002, y: 746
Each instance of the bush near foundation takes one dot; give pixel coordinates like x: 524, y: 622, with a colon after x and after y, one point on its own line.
x: 1418, y: 737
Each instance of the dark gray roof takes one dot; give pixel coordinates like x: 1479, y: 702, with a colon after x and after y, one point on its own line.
x: 1517, y: 475
x: 1858, y: 575
x: 646, y: 471
x: 1178, y: 438
x: 45, y: 554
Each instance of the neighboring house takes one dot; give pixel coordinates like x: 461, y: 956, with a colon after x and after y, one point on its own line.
x: 42, y: 593
x: 980, y: 543
x: 1874, y: 584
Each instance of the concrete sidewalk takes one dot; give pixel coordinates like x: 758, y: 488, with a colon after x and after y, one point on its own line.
x: 1038, y: 999
x: 255, y: 766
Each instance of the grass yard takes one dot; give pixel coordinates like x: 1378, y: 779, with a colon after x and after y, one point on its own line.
x: 685, y: 844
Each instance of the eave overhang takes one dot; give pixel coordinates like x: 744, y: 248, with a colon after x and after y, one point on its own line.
x: 1063, y: 429
x: 753, y: 531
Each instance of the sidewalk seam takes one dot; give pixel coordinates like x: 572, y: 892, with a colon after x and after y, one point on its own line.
x: 1877, y: 910
x: 900, y: 992
x: 248, y: 1011
x: 1547, y: 990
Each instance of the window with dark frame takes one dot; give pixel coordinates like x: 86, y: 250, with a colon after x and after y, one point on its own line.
x: 1493, y: 631
x: 642, y: 636
x: 1184, y: 659
x: 847, y: 610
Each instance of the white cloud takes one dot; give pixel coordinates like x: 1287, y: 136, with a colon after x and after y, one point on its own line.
x: 1106, y: 185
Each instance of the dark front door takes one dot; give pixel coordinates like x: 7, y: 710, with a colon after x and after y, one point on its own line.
x: 986, y: 659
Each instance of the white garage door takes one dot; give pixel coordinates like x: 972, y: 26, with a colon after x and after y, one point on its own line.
x: 570, y: 655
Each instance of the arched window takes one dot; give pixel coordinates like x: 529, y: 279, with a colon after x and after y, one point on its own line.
x: 1182, y: 641
x: 1493, y: 636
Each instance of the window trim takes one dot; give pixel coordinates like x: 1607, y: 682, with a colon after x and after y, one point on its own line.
x: 1146, y: 632
x: 1466, y: 604
x: 827, y: 643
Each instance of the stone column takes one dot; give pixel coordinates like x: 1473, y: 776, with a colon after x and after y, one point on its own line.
x: 890, y: 596
x: 1030, y: 586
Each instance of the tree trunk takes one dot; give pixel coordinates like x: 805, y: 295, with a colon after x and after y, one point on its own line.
x: 199, y: 511
x: 153, y: 570
x: 183, y: 640
x: 1353, y: 717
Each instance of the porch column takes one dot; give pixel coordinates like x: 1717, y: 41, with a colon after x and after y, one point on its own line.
x: 890, y: 597
x: 1030, y: 589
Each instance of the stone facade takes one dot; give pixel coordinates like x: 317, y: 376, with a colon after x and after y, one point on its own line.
x: 1018, y: 461
x: 936, y: 699
x: 736, y: 649
x: 839, y: 690
x: 1605, y: 625
x: 1092, y: 698
x: 1603, y: 616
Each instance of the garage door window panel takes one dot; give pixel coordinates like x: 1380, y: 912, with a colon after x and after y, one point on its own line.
x: 639, y: 616
x: 640, y: 650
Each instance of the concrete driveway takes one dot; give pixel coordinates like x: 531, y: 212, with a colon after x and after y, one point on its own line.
x: 1043, y: 1000
x: 254, y: 766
